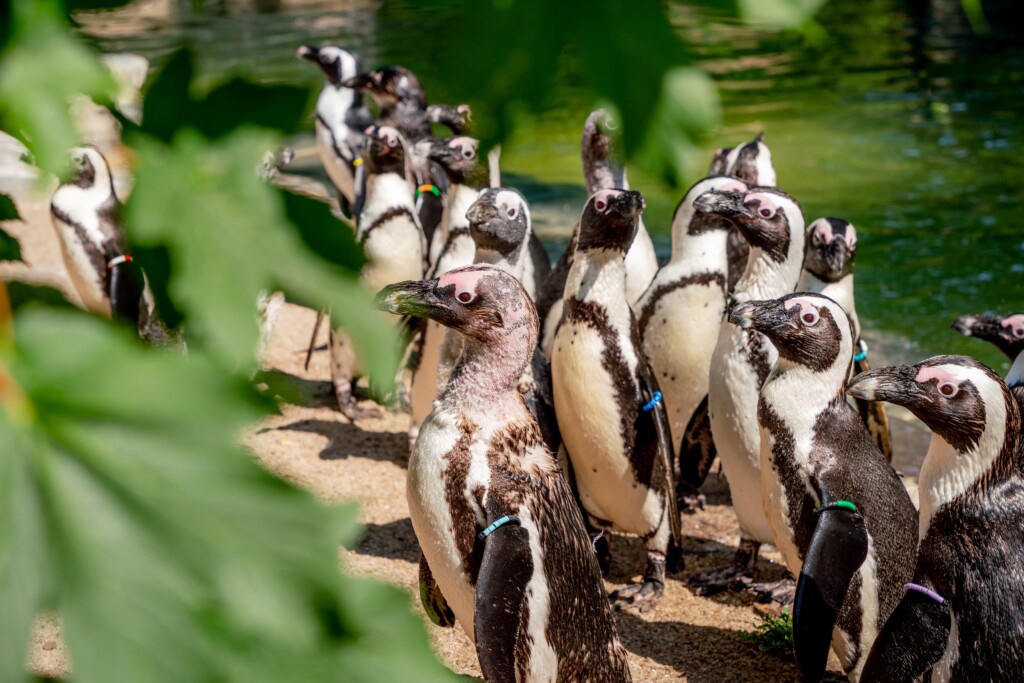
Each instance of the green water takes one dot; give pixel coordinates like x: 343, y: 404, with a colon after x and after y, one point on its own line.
x: 897, y: 117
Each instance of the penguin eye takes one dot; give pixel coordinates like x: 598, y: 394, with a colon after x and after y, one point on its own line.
x: 1018, y: 332
x: 948, y: 389
x: 809, y: 318
x: 512, y: 212
x: 467, y: 153
x: 766, y: 212
x: 600, y: 205
x: 465, y: 296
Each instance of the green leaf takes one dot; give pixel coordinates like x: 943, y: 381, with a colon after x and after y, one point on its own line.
x: 43, y: 67
x: 174, y: 557
x: 228, y: 238
x: 24, y: 293
x: 320, y: 229
x: 167, y: 99
x: 778, y: 13
x: 10, y: 248
x: 8, y: 211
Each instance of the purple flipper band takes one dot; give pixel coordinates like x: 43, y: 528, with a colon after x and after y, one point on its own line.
x: 924, y: 591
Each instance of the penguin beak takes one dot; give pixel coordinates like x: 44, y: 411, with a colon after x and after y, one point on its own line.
x: 839, y: 256
x: 417, y: 298
x: 965, y: 324
x: 894, y: 384
x: 726, y: 204
x: 481, y: 212
x: 360, y: 82
x: 308, y: 52
x: 767, y: 317
x: 629, y: 204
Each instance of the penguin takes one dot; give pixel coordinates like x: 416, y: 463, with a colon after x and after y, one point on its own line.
x: 607, y: 401
x: 85, y: 213
x: 341, y: 118
x: 499, y: 222
x: 389, y: 231
x: 773, y: 223
x: 828, y: 269
x: 681, y: 312
x: 838, y: 512
x: 504, y: 549
x: 452, y: 247
x: 1007, y: 334
x: 599, y: 173
x: 960, y: 616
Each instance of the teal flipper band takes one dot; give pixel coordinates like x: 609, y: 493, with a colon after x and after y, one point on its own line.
x: 496, y: 524
x: 862, y: 351
x: 655, y: 400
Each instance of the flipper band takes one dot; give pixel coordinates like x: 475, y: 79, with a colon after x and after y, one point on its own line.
x: 118, y: 260
x: 924, y: 591
x: 655, y: 400
x: 839, y: 504
x: 500, y: 522
x: 428, y: 188
x: 862, y: 351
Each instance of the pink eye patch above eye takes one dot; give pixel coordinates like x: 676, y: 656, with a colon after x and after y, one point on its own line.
x: 1015, y: 323
x: 464, y: 281
x: 929, y: 373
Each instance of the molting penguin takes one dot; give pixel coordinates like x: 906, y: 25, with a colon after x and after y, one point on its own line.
x: 341, y: 117
x: 505, y: 551
x: 389, y: 231
x: 960, y: 617
x: 680, y: 314
x: 773, y: 223
x: 839, y: 514
x: 86, y: 215
x: 828, y: 270
x: 613, y: 423
x: 1007, y: 334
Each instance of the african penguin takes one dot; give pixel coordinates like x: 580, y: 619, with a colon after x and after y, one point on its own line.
x: 607, y: 401
x: 389, y: 231
x: 838, y: 513
x: 681, y: 312
x: 961, y: 614
x: 773, y: 223
x: 505, y: 550
x: 341, y: 117
x: 86, y: 215
x: 831, y: 249
x: 1007, y: 334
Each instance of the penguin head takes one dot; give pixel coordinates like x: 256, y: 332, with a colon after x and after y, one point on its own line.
x: 809, y: 330
x: 338, y: 64
x: 961, y: 400
x: 90, y: 187
x: 769, y: 219
x: 389, y: 86
x: 1005, y: 333
x: 752, y: 163
x: 831, y: 248
x: 610, y: 219
x: 688, y: 220
x: 499, y: 221
x: 89, y: 168
x: 483, y: 303
x: 384, y: 151
x: 720, y: 162
x: 456, y: 155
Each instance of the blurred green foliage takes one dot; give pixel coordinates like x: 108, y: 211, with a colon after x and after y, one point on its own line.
x: 10, y: 249
x: 774, y: 634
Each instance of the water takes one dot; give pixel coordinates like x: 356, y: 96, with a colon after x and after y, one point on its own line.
x: 897, y: 117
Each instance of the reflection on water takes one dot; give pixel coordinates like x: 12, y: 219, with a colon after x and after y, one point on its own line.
x: 896, y: 117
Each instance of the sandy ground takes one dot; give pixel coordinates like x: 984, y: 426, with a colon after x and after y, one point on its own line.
x: 687, y: 638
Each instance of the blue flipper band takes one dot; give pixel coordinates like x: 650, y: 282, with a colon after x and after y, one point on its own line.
x: 839, y: 504
x: 655, y: 400
x: 924, y: 591
x: 500, y: 522
x: 862, y: 352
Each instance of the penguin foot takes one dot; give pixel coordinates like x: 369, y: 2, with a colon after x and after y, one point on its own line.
x: 689, y: 498
x: 349, y: 404
x: 782, y: 591
x: 644, y: 596
x: 719, y: 579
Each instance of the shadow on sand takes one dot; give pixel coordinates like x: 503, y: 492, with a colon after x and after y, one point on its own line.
x: 346, y: 440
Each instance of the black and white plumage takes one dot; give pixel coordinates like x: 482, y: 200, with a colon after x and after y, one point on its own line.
x: 1007, y: 334
x: 341, y: 118
x: 828, y: 270
x: 621, y: 454
x: 529, y: 593
x: 773, y: 223
x: 970, y: 553
x: 86, y: 215
x: 815, y: 452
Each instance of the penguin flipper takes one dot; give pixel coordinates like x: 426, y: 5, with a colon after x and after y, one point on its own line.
x: 434, y: 604
x: 505, y: 572
x: 873, y: 413
x: 126, y: 285
x: 696, y: 454
x: 838, y: 548
x: 911, y: 642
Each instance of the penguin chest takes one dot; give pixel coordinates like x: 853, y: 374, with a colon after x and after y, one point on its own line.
x: 338, y: 168
x: 447, y: 480
x: 589, y: 401
x: 83, y: 262
x: 425, y: 379
x: 679, y: 340
x: 784, y: 482
x: 394, y: 252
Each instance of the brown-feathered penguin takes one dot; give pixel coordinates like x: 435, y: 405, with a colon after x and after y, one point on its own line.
x: 773, y: 223
x: 505, y: 551
x: 962, y: 614
x: 86, y: 215
x: 838, y: 513
x: 607, y: 401
x: 828, y: 269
